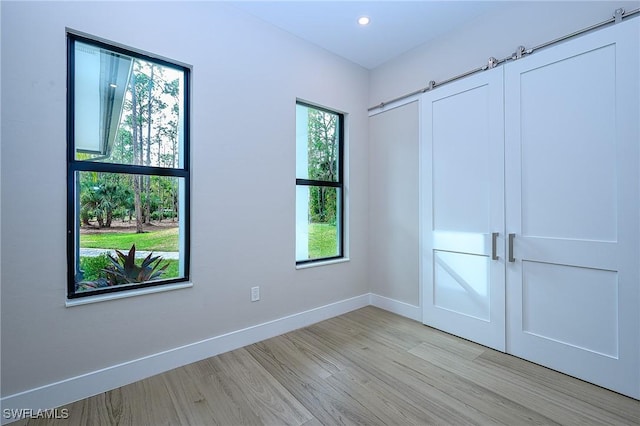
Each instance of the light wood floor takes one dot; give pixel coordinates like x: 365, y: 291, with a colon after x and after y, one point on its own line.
x: 367, y: 367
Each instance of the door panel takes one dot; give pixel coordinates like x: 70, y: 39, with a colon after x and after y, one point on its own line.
x: 463, y: 147
x: 461, y: 284
x: 462, y: 203
x: 583, y: 311
x: 572, y: 188
x: 565, y: 124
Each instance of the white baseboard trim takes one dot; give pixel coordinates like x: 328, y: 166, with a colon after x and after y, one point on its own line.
x: 96, y: 382
x: 401, y: 308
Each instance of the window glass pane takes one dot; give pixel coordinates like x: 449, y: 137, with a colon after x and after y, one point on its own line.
x: 127, y: 110
x: 317, y: 222
x: 117, y: 211
x: 317, y: 142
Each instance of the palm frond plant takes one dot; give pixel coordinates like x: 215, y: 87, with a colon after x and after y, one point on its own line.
x: 123, y: 269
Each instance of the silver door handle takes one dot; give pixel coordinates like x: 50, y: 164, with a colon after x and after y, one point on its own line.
x: 494, y: 246
x: 511, y: 258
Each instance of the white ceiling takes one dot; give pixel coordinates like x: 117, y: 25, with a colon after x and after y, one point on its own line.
x: 396, y: 26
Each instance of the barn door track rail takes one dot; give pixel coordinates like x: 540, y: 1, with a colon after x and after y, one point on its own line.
x: 521, y: 51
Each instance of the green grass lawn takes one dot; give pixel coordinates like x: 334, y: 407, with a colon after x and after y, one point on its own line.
x: 323, y: 240
x: 162, y: 240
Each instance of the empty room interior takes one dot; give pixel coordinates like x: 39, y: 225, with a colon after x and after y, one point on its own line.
x: 320, y: 212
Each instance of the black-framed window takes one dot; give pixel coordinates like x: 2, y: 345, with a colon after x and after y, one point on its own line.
x: 128, y: 175
x: 319, y: 184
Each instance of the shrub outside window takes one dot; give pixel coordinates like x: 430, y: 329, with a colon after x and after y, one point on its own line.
x: 319, y: 184
x: 128, y: 173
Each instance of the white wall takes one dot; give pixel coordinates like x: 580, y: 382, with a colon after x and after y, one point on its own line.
x: 394, y: 273
x: 393, y: 204
x: 246, y: 77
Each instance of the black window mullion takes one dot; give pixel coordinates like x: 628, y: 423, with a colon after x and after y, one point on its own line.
x: 341, y: 179
x: 186, y: 128
x: 341, y: 148
x: 309, y: 182
x: 88, y: 166
x: 320, y: 259
x: 72, y: 259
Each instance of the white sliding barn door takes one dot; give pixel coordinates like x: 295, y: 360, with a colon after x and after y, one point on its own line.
x: 572, y: 185
x: 462, y: 206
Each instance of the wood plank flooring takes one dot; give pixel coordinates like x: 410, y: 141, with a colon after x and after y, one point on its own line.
x: 368, y: 367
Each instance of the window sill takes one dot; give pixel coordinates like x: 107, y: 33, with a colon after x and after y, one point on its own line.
x: 125, y: 294
x: 322, y: 263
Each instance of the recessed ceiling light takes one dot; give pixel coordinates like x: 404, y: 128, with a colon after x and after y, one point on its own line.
x: 364, y: 20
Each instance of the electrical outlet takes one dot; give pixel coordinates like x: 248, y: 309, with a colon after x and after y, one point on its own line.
x: 255, y: 294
